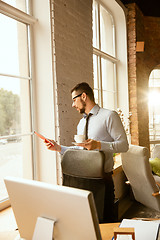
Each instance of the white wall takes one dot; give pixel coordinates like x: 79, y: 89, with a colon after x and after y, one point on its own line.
x: 43, y: 90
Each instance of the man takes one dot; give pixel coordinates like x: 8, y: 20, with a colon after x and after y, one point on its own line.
x: 105, y: 132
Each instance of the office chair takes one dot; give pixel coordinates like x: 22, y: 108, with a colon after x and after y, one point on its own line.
x: 137, y: 169
x: 84, y: 169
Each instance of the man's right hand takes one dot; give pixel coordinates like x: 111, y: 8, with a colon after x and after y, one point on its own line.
x: 56, y: 146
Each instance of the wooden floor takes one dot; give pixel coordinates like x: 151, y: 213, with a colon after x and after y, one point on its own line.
x: 7, y: 220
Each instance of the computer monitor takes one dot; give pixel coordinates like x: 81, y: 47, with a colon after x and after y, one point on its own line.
x: 72, y: 211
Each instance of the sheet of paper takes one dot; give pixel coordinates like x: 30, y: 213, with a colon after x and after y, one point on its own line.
x: 147, y: 230
x: 124, y: 237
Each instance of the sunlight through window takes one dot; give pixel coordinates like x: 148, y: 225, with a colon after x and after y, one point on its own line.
x: 154, y: 106
x: 15, y: 98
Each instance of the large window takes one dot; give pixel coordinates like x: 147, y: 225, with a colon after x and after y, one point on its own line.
x: 16, y: 118
x: 104, y: 58
x: 154, y: 106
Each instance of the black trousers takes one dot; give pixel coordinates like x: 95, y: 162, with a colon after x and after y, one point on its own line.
x: 109, y: 214
x: 103, y: 192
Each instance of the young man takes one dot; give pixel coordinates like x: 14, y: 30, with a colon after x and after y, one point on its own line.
x: 104, y: 132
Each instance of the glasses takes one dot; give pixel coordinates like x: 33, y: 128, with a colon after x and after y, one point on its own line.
x: 77, y: 96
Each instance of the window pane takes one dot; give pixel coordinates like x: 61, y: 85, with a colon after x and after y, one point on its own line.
x: 108, y: 82
x: 15, y: 112
x: 154, y: 79
x: 96, y: 96
x: 154, y: 105
x: 20, y: 4
x: 106, y: 32
x: 95, y: 71
x: 156, y: 73
x: 95, y: 25
x: 97, y: 85
x: 13, y: 47
x: 14, y: 106
x: 154, y: 114
x: 108, y: 100
x: 15, y: 160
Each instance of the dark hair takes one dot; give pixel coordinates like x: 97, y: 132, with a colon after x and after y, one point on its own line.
x: 84, y: 87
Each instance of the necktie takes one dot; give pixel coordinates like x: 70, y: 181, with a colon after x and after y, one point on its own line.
x: 86, y: 128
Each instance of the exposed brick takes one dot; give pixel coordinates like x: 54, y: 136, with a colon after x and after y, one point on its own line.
x: 72, y: 41
x: 140, y: 64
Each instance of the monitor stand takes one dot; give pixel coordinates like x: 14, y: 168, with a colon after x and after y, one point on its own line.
x: 44, y: 229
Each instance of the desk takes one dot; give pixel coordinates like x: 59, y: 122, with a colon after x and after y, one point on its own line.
x: 106, y: 232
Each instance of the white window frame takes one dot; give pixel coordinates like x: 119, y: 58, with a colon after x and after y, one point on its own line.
x: 43, y: 74
x: 119, y: 14
x: 29, y: 20
x: 104, y: 55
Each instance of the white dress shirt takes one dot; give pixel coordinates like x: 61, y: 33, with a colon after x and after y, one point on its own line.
x: 105, y: 126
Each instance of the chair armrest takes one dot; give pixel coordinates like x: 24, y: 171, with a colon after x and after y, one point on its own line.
x: 156, y: 194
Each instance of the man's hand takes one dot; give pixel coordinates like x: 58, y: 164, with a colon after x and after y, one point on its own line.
x: 90, y: 144
x: 56, y: 146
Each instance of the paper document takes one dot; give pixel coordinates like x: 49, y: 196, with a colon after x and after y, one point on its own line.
x: 144, y: 230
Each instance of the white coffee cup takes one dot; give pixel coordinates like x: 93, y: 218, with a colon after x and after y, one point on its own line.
x: 79, y: 138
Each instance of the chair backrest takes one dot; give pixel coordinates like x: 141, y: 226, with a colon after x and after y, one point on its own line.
x: 83, y: 163
x: 136, y: 166
x: 85, y: 170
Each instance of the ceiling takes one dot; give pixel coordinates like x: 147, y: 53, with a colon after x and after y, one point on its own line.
x: 149, y: 8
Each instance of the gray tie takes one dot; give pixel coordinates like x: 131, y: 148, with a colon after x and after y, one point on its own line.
x: 86, y: 128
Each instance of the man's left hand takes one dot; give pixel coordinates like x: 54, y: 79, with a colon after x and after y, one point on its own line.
x: 90, y: 144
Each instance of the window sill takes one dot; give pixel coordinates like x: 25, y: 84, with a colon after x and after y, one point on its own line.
x: 4, y: 204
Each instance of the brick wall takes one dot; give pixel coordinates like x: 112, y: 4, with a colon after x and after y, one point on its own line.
x: 131, y: 27
x: 140, y: 64
x: 142, y: 83
x: 72, y: 40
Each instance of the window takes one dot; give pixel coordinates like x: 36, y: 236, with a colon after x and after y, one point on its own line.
x: 110, y: 58
x: 104, y: 58
x: 154, y: 106
x: 16, y: 110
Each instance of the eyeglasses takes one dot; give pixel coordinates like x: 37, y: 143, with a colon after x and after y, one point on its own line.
x: 77, y: 96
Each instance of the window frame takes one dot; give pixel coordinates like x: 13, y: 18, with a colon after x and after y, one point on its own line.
x: 28, y: 20
x: 104, y: 55
x: 119, y: 13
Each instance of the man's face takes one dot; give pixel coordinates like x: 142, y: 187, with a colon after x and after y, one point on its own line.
x: 78, y: 102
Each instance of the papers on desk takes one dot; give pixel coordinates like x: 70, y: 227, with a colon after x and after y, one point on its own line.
x: 144, y: 230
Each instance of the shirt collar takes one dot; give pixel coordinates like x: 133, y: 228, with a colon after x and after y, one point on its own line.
x: 93, y: 111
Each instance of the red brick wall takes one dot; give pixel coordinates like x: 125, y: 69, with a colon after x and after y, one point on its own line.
x: 142, y: 83
x: 131, y: 27
x: 140, y: 64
